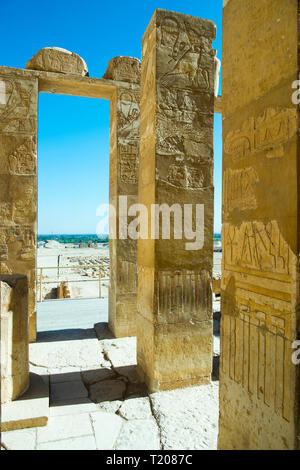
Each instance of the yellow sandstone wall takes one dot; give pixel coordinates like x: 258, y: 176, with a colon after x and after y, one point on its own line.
x: 174, y: 326
x: 259, y: 386
x: 18, y: 148
x: 124, y: 160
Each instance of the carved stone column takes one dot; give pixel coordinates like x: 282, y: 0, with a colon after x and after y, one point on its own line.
x: 174, y: 337
x: 259, y: 388
x: 18, y: 142
x: 124, y: 159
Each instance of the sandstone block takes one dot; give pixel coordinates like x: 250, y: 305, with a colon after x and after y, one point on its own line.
x: 56, y: 59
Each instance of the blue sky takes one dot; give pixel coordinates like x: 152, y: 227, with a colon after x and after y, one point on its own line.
x: 73, y: 151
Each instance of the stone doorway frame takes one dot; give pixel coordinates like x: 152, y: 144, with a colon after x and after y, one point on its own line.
x: 19, y: 129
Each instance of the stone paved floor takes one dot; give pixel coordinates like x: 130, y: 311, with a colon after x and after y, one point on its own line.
x: 97, y: 401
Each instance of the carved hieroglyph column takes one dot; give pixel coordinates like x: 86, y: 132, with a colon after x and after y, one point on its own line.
x: 14, y: 336
x: 124, y: 158
x: 174, y: 337
x: 18, y: 141
x: 259, y: 388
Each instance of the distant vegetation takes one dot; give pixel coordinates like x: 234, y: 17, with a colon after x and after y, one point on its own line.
x: 74, y: 239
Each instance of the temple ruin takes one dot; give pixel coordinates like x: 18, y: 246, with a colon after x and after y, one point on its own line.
x: 161, y: 152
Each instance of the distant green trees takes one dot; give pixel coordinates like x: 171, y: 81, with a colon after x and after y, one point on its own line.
x: 74, y: 239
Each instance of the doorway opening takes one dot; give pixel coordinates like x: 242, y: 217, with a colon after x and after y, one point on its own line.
x: 73, y: 180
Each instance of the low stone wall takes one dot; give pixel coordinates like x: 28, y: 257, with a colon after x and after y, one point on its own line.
x: 14, y: 336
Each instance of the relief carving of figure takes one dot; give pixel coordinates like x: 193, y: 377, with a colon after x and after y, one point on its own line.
x: 181, y: 55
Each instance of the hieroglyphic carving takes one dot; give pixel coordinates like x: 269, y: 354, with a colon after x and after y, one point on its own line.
x: 22, y: 239
x: 256, y: 246
x: 127, y: 277
x: 182, y: 294
x: 239, y: 189
x: 18, y: 106
x: 268, y: 132
x: 128, y: 157
x: 127, y: 69
x: 56, y: 59
x: 185, y: 176
x: 183, y: 51
x: 256, y: 352
x: 174, y: 284
x: 128, y: 118
x: 23, y: 160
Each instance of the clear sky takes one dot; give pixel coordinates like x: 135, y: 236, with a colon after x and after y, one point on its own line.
x: 73, y: 151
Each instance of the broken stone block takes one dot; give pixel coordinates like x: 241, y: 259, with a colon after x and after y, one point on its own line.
x: 56, y: 59
x: 125, y: 69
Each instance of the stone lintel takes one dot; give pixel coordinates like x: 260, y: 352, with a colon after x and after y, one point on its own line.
x: 70, y: 84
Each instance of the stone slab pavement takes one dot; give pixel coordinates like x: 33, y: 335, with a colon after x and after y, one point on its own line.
x: 97, y: 400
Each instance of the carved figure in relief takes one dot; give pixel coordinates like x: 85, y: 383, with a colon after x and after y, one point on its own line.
x: 238, y: 189
x: 23, y: 237
x: 184, y: 176
x: 268, y: 132
x: 16, y: 113
x: 257, y: 246
x: 183, y: 48
x: 128, y: 117
x: 23, y: 160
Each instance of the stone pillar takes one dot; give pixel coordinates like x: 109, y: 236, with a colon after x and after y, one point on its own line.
x: 18, y: 142
x: 259, y: 386
x: 174, y: 337
x: 14, y: 336
x: 124, y: 158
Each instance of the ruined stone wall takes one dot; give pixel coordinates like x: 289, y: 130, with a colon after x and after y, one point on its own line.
x: 174, y: 340
x: 259, y: 390
x: 124, y: 160
x: 18, y: 148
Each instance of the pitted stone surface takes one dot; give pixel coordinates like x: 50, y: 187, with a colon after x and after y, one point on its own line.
x: 138, y: 408
x: 107, y: 390
x: 56, y: 59
x: 188, y: 418
x: 139, y: 435
x: 125, y: 69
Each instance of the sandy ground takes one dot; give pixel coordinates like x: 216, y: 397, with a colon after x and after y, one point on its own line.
x: 70, y: 255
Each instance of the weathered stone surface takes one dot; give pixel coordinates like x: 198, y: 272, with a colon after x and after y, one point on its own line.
x: 14, y: 336
x: 174, y: 345
x: 121, y: 353
x: 73, y: 443
x: 18, y: 141
x: 65, y: 427
x: 107, y: 427
x: 66, y: 391
x: 124, y: 161
x: 259, y: 384
x: 67, y: 356
x: 188, y: 419
x: 136, y: 408
x: 125, y: 69
x: 56, y: 59
x: 93, y: 376
x: 22, y: 439
x: 107, y: 390
x: 138, y: 435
